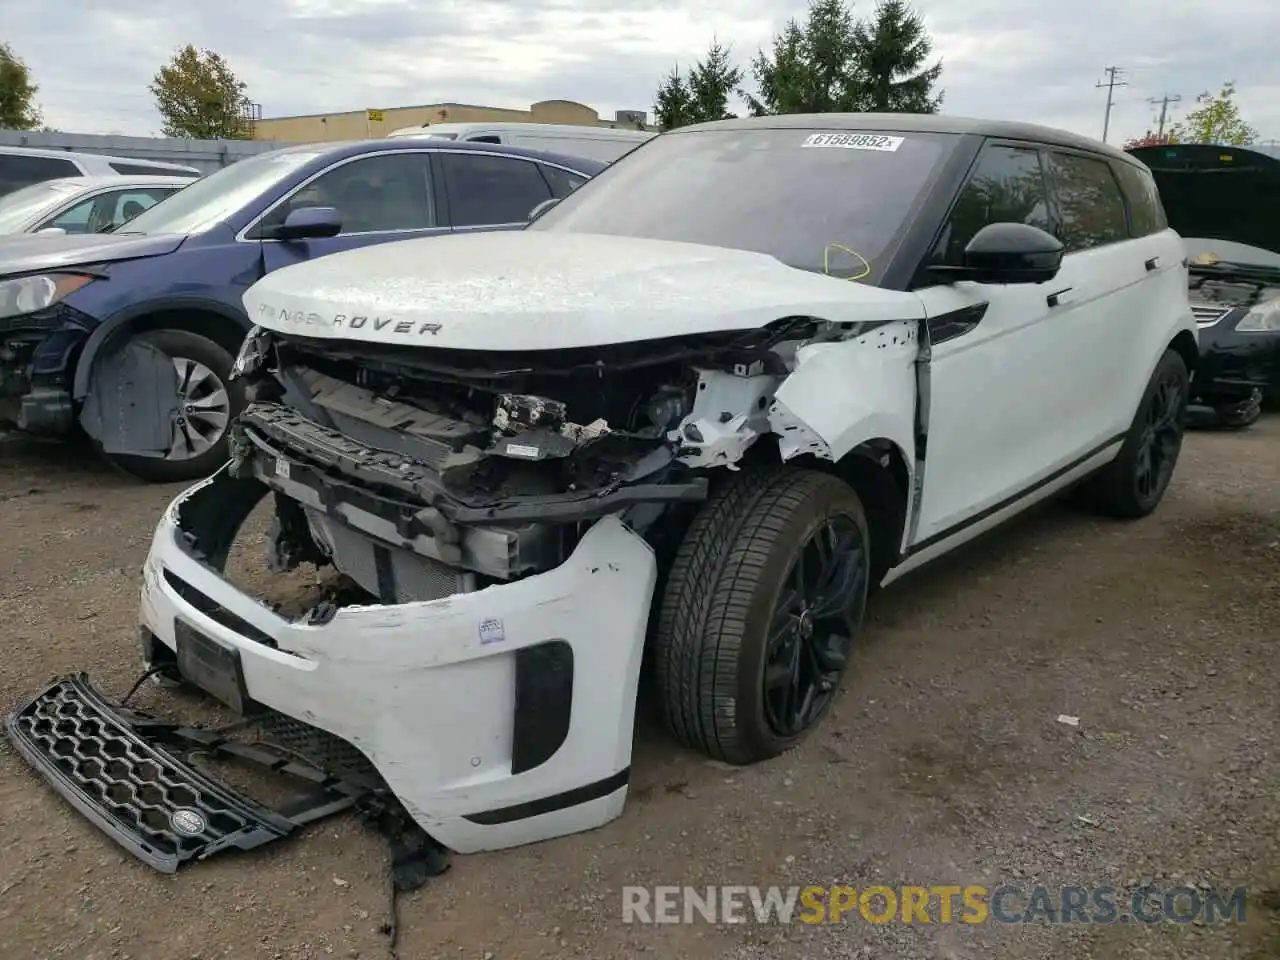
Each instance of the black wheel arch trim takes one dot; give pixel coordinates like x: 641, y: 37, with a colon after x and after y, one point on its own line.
x: 558, y: 801
x: 104, y: 332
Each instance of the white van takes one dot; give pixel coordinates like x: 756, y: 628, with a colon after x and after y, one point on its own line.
x: 594, y: 143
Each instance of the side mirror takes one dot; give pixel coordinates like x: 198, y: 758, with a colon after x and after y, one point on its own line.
x: 51, y: 232
x: 1011, y: 253
x: 309, y: 222
x: 542, y: 208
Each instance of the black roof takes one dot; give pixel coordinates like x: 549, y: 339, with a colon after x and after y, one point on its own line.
x: 915, y: 123
x: 353, y: 148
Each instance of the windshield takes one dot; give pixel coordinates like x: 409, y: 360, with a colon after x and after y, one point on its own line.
x: 831, y: 202
x: 212, y: 199
x: 18, y: 208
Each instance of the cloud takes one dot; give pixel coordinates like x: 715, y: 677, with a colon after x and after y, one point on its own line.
x: 1036, y: 60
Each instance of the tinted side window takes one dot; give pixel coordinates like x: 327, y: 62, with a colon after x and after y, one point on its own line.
x: 1090, y: 205
x: 562, y: 182
x: 143, y: 170
x: 121, y: 207
x: 386, y: 192
x: 1146, y: 211
x: 486, y: 190
x: 1006, y: 186
x: 18, y: 171
x: 74, y: 220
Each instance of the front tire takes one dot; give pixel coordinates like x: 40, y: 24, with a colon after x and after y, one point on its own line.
x: 208, y: 402
x: 762, y: 604
x: 1133, y: 484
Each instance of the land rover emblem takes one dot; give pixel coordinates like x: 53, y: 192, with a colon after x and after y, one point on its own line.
x: 186, y: 822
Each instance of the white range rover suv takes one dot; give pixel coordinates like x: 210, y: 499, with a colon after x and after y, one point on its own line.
x: 699, y: 407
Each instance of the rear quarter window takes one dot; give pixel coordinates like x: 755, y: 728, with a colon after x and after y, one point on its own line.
x: 17, y: 171
x: 1146, y: 211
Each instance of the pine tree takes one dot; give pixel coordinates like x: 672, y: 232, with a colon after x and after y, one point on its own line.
x: 890, y: 50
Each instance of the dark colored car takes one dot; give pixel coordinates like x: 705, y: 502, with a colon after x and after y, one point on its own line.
x: 1225, y: 202
x: 89, y: 323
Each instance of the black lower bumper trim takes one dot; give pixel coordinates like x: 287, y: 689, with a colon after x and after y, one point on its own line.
x: 559, y: 801
x: 122, y: 769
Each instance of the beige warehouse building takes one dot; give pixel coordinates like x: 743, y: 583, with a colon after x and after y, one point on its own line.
x: 366, y: 124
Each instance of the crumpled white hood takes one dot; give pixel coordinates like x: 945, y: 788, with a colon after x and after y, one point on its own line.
x: 535, y: 290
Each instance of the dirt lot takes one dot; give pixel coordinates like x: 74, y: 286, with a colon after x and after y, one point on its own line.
x: 942, y: 764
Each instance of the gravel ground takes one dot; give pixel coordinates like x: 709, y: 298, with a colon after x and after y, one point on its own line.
x: 943, y: 762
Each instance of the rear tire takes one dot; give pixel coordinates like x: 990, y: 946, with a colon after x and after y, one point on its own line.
x: 746, y: 664
x: 1133, y: 484
x: 216, y: 400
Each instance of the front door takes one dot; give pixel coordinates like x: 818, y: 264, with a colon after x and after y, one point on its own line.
x: 379, y: 198
x: 1000, y: 406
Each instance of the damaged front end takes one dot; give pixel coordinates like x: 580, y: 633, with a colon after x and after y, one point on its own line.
x: 494, y: 522
x: 423, y: 474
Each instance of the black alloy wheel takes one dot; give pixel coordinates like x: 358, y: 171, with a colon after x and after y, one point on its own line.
x: 811, y: 633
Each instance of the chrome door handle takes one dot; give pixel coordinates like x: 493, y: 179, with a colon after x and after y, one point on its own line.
x: 1152, y: 263
x: 1059, y: 297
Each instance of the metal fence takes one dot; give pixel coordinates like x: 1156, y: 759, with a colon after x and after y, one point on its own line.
x: 207, y: 155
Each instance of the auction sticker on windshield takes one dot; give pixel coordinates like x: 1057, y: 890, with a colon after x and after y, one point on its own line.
x: 854, y: 141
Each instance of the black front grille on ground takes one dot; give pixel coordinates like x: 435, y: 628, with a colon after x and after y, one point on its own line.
x: 123, y: 770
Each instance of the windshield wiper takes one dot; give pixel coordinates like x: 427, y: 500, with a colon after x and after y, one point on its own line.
x: 1259, y: 271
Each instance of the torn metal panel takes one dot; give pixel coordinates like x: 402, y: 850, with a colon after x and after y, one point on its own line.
x: 730, y: 410
x: 132, y: 402
x: 844, y: 393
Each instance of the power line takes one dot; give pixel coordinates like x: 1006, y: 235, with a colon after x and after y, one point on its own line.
x: 1113, y: 81
x: 1164, y: 109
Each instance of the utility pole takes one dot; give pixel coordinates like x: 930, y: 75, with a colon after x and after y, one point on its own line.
x: 1113, y: 81
x: 1164, y: 110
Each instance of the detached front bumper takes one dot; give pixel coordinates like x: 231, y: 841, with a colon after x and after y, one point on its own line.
x: 498, y: 717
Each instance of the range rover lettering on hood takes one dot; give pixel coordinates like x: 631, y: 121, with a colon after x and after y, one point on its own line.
x: 301, y: 318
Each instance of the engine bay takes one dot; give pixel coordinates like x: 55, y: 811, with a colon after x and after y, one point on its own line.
x: 422, y: 473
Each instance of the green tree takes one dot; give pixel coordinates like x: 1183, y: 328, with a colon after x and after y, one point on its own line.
x: 199, y: 96
x: 711, y: 83
x: 812, y: 66
x: 890, y: 50
x: 702, y: 95
x: 1216, y: 119
x: 18, y: 110
x: 672, y: 104
x: 831, y: 63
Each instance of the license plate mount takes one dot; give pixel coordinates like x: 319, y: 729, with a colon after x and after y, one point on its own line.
x: 212, y: 666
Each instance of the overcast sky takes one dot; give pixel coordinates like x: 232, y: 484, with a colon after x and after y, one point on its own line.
x: 93, y: 60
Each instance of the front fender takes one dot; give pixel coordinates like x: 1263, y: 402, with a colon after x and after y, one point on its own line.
x: 107, y: 330
x: 842, y: 394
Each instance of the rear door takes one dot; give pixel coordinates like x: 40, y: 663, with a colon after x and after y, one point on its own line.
x: 1105, y: 290
x: 1163, y: 253
x: 488, y: 191
x: 379, y: 197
